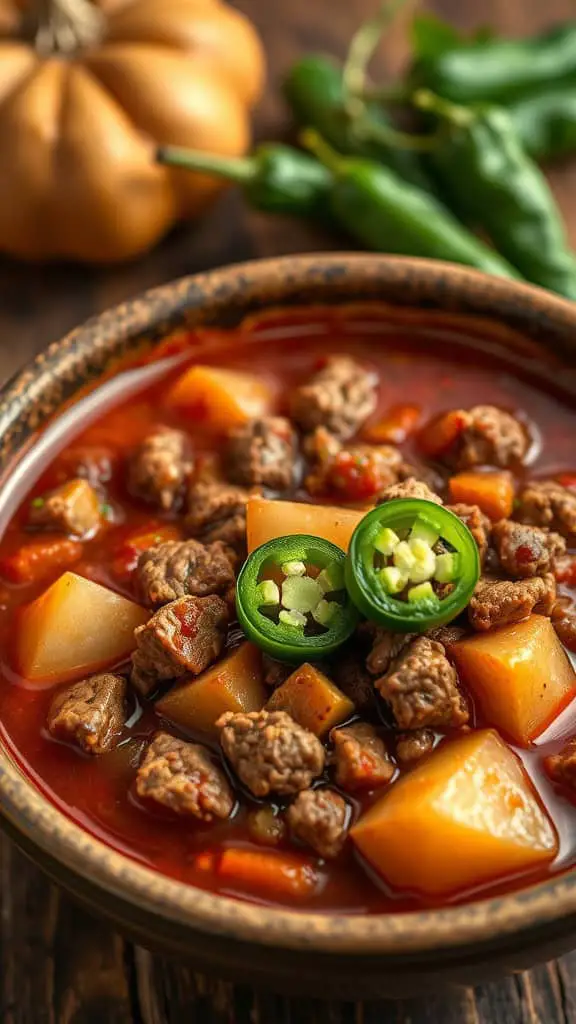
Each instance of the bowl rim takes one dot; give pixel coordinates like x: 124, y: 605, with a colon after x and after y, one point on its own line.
x: 42, y: 825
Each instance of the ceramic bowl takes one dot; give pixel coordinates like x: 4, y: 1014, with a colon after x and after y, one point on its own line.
x: 339, y: 956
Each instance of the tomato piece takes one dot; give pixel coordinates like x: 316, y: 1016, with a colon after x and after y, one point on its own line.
x: 438, y: 436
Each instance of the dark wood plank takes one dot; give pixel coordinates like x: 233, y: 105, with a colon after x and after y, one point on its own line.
x: 57, y: 964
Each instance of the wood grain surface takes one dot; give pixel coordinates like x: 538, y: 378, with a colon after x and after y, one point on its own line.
x: 57, y: 964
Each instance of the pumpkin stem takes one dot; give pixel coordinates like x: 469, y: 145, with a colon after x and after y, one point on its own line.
x: 62, y: 26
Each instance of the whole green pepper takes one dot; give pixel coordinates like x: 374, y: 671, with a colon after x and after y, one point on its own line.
x: 315, y: 92
x: 389, y: 215
x: 275, y: 178
x: 498, y: 70
x: 494, y: 185
x: 546, y: 122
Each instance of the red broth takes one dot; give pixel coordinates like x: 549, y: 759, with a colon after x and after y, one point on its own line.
x: 429, y: 363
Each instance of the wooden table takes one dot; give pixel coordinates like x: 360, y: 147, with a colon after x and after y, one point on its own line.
x: 58, y: 965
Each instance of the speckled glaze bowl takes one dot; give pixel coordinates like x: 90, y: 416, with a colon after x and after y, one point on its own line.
x: 335, y: 956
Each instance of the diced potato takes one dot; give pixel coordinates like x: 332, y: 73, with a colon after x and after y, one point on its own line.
x: 266, y: 520
x: 492, y: 492
x: 466, y: 815
x: 234, y: 684
x: 225, y: 398
x: 75, y: 628
x: 313, y: 700
x: 520, y: 676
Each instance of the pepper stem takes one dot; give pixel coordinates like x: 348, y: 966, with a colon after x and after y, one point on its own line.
x: 62, y: 26
x: 362, y: 48
x: 239, y: 169
x: 322, y: 150
x: 426, y: 100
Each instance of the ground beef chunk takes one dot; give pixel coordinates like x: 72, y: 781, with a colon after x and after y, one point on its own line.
x: 275, y: 672
x: 479, y: 525
x: 547, y: 503
x: 412, y: 746
x: 526, y: 550
x: 159, y: 468
x: 410, y: 488
x: 564, y: 622
x: 490, y: 437
x: 360, y: 757
x: 421, y: 687
x: 385, y: 647
x: 561, y: 767
x: 500, y: 602
x: 89, y: 714
x: 178, y: 568
x: 320, y: 818
x: 270, y: 752
x: 262, y: 453
x: 340, y: 397
x: 217, y: 511
x: 183, y: 777
x: 92, y: 462
x: 183, y: 637
x: 446, y: 635
x: 73, y: 509
x: 351, y: 676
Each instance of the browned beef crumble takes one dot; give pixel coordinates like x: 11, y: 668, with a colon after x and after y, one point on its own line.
x: 89, y: 714
x: 352, y: 677
x: 184, y: 778
x: 340, y: 397
x: 421, y: 688
x: 360, y: 758
x: 319, y: 818
x: 561, y: 767
x: 491, y: 437
x: 73, y: 509
x: 413, y: 746
x: 160, y: 467
x: 275, y: 672
x: 409, y: 488
x: 385, y: 647
x: 180, y: 568
x: 217, y: 511
x: 526, y: 550
x: 446, y: 635
x: 183, y: 637
x: 547, y: 503
x: 263, y: 453
x: 479, y: 525
x: 501, y: 602
x: 270, y: 752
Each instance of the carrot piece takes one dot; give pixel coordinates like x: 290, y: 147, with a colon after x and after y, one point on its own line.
x: 35, y: 561
x: 399, y: 422
x: 440, y: 434
x: 224, y: 398
x: 277, y: 874
x: 492, y: 492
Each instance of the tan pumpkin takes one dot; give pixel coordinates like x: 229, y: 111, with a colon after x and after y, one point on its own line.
x: 87, y: 93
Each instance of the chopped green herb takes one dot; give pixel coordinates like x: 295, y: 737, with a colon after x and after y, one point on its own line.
x: 37, y: 502
x: 106, y: 511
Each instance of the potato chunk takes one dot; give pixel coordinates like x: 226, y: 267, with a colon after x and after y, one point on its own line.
x: 313, y: 700
x: 520, y: 676
x: 224, y: 398
x: 466, y: 815
x: 75, y: 628
x: 234, y: 684
x: 266, y: 520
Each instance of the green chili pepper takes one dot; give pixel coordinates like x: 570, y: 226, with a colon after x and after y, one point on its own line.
x: 494, y: 185
x: 275, y: 178
x: 389, y: 215
x: 314, y: 88
x: 401, y: 557
x: 546, y: 122
x: 291, y: 599
x: 499, y: 70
